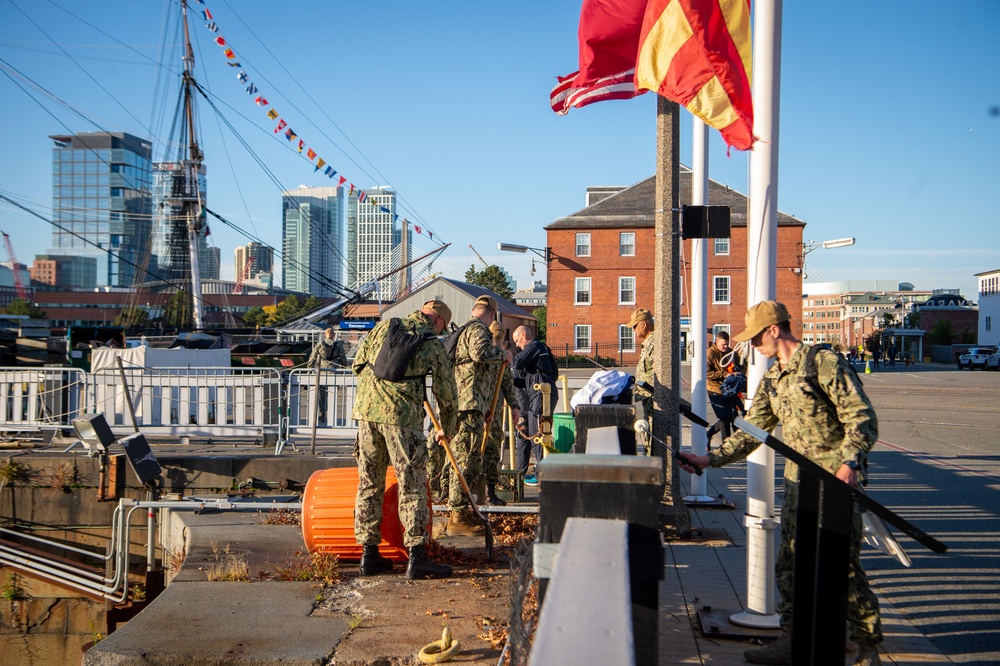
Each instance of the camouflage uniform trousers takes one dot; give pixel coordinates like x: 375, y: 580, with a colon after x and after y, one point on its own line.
x: 494, y: 445
x: 863, y: 616
x: 437, y: 468
x: 465, y: 446
x: 379, y: 445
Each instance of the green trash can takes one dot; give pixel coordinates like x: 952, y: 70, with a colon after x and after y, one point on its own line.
x: 563, y: 431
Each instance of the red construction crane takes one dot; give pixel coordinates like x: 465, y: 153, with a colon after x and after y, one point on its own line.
x: 18, y: 282
x: 238, y: 287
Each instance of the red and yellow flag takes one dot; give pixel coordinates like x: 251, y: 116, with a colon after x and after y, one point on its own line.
x: 697, y: 53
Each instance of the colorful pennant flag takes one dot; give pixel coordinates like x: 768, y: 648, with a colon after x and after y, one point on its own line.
x: 698, y: 54
x: 301, y: 145
x: 229, y: 53
x: 251, y: 89
x: 328, y: 170
x: 416, y: 228
x: 361, y: 196
x: 213, y: 26
x: 260, y: 101
x: 351, y: 192
x: 207, y: 14
x: 242, y: 76
x: 220, y: 40
x: 319, y: 164
x: 290, y: 134
x: 281, y: 125
x: 311, y: 154
x: 342, y: 181
x: 272, y: 114
x: 235, y: 63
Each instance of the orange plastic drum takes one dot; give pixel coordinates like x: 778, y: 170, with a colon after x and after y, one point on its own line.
x: 328, y: 515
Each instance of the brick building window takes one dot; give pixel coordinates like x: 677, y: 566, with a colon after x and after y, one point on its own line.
x: 721, y: 246
x: 581, y: 337
x: 582, y: 291
x: 626, y: 243
x: 626, y: 291
x: 626, y: 338
x: 583, y: 245
x: 720, y: 291
x: 716, y: 329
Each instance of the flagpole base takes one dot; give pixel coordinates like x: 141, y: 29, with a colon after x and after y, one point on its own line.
x: 756, y: 620
x: 699, y: 499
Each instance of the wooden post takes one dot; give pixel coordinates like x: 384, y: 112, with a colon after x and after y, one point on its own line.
x: 667, y: 311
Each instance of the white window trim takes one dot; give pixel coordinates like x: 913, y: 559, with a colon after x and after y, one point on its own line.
x: 715, y: 247
x: 620, y: 234
x: 626, y: 277
x: 590, y: 244
x: 729, y: 289
x: 621, y: 348
x: 590, y: 333
x: 590, y: 291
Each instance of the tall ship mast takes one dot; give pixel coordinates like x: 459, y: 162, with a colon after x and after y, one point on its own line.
x: 186, y: 197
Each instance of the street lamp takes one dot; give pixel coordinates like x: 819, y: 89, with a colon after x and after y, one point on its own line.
x: 544, y: 253
x: 809, y: 246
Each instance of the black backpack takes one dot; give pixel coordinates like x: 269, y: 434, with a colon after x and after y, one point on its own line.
x: 451, y: 342
x: 330, y: 351
x: 397, y: 351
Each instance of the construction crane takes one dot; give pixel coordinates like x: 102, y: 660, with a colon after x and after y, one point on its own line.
x: 478, y: 255
x: 238, y: 287
x: 18, y: 281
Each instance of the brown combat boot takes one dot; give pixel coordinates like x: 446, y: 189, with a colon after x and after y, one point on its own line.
x: 868, y: 656
x: 778, y: 652
x: 465, y: 523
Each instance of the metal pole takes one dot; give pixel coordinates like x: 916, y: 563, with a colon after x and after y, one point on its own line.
x: 315, y: 409
x: 128, y: 394
x: 762, y: 231
x: 699, y: 307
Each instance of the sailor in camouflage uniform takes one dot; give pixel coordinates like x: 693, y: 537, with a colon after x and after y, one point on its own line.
x: 836, y: 431
x: 494, y: 441
x: 476, y: 360
x: 642, y: 323
x: 390, y: 418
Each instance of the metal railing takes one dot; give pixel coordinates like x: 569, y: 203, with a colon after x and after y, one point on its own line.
x: 335, y: 402
x: 40, y: 397
x: 188, y: 401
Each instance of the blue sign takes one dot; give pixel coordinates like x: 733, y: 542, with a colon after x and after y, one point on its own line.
x: 356, y: 325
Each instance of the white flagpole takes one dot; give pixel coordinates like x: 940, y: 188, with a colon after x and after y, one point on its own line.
x: 699, y: 306
x: 762, y: 236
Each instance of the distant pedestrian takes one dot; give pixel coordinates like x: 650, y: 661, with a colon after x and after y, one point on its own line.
x: 532, y: 365
x: 716, y: 374
x: 892, y: 355
x: 327, y: 354
x: 390, y: 418
x: 836, y: 431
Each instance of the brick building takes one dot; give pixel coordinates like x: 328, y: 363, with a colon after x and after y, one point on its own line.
x: 602, y: 266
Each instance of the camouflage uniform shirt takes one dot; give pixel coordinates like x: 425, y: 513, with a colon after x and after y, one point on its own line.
x: 644, y: 369
x: 328, y: 348
x: 402, y: 403
x: 476, y: 361
x: 829, y: 434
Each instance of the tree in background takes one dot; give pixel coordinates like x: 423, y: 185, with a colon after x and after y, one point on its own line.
x: 286, y: 310
x: 255, y: 317
x: 132, y: 316
x: 179, y: 311
x: 942, y: 333
x: 540, y: 315
x: 24, y: 308
x: 493, y: 278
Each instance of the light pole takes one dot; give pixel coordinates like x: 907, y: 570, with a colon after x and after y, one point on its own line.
x: 809, y: 246
x: 544, y: 253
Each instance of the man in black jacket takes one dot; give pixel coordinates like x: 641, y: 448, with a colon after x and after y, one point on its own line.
x: 532, y: 365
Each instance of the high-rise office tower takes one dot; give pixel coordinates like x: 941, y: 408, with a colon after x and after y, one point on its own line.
x: 263, y: 259
x: 312, y: 239
x: 171, y: 249
x: 101, y: 193
x: 374, y: 237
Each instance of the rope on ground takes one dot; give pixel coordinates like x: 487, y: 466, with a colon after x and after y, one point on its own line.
x: 440, y: 651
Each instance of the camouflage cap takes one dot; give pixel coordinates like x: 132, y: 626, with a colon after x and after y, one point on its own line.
x: 439, y: 308
x: 640, y: 315
x: 496, y: 330
x: 487, y: 301
x: 760, y: 316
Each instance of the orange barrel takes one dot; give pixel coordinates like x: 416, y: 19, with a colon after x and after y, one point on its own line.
x: 328, y: 515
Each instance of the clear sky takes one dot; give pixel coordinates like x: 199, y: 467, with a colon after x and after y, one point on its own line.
x: 889, y: 120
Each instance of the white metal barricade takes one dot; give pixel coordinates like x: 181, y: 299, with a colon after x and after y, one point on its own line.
x: 220, y: 402
x: 35, y: 397
x: 337, y: 390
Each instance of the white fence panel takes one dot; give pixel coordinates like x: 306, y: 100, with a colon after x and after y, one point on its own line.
x: 40, y: 396
x: 337, y: 390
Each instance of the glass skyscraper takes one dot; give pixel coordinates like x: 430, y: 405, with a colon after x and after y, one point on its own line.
x: 372, y: 236
x: 312, y: 239
x: 101, y: 187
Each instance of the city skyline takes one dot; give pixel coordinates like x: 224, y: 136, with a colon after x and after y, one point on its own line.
x: 864, y: 151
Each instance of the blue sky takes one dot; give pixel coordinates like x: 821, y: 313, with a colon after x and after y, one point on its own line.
x: 886, y: 128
